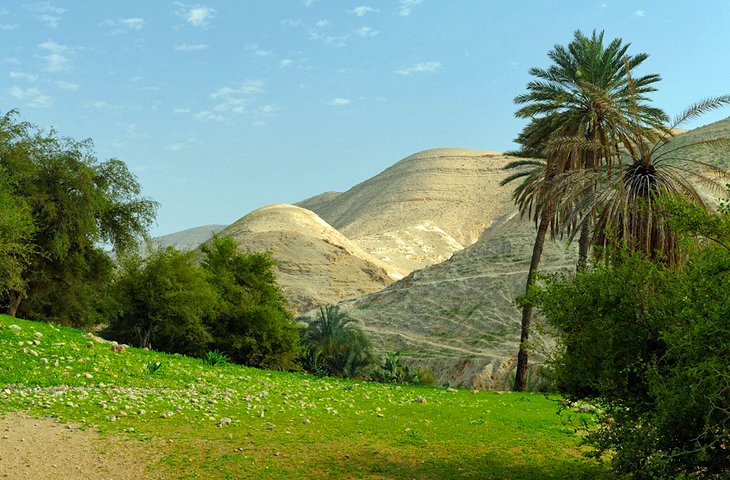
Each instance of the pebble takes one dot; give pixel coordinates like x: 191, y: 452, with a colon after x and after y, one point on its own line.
x: 37, y: 334
x: 14, y: 327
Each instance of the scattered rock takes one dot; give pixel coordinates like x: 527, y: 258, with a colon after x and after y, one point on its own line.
x: 119, y: 348
x: 44, y: 361
x: 89, y: 344
x: 420, y: 400
x: 37, y: 334
x: 224, y: 421
x: 14, y: 327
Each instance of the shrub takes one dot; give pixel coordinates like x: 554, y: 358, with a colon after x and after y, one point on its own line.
x: 392, y: 371
x: 215, y: 358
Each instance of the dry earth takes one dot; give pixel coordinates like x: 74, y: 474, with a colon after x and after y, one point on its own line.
x: 34, y: 449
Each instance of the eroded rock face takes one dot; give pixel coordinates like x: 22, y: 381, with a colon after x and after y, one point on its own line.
x: 315, y: 264
x: 458, y: 318
x: 422, y: 209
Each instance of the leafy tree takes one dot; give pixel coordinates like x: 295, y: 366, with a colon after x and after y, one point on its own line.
x: 650, y: 344
x: 583, y: 95
x: 77, y: 203
x: 161, y: 300
x: 16, y: 229
x: 252, y: 324
x: 335, y: 345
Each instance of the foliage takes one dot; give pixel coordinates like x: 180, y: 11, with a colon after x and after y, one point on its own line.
x: 392, y: 371
x: 16, y: 230
x: 152, y: 367
x: 319, y: 427
x: 161, y: 300
x: 76, y: 203
x: 335, y: 345
x: 251, y: 324
x: 215, y: 358
x: 651, y: 344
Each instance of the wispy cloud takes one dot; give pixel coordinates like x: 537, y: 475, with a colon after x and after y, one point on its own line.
x: 7, y: 27
x: 366, y: 32
x: 285, y: 62
x: 67, y: 85
x: 45, y: 12
x: 363, y: 10
x: 32, y: 97
x: 405, y: 7
x: 9, y: 61
x: 209, y: 116
x: 309, y: 3
x: 339, y: 102
x: 640, y: 13
x: 184, y: 47
x: 181, y: 110
x: 100, y: 104
x: 426, y: 67
x: 123, y: 25
x: 57, y: 56
x: 23, y: 76
x: 196, y: 15
x: 235, y: 99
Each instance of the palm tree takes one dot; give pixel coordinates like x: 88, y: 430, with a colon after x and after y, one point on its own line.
x: 626, y: 201
x: 335, y: 345
x: 586, y: 94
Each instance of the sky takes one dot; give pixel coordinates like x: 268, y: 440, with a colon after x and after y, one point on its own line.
x: 223, y: 107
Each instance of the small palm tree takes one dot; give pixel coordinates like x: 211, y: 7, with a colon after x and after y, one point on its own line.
x: 335, y: 345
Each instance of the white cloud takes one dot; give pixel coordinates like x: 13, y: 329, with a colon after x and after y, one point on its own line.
x: 181, y: 110
x: 291, y: 22
x: 97, y: 104
x: 285, y: 62
x: 263, y: 53
x: 67, y: 85
x: 24, y: 76
x: 405, y: 7
x: 197, y: 15
x: 363, y: 10
x: 174, y: 147
x: 209, y: 116
x: 339, y: 102
x: 122, y: 25
x: 32, y: 96
x: 269, y: 109
x: 184, y: 47
x: 7, y: 27
x: 640, y: 13
x: 45, y: 12
x: 366, y: 32
x: 258, y: 123
x: 309, y: 3
x: 9, y: 61
x: 426, y: 67
x: 57, y: 60
x: 235, y: 99
x: 322, y: 24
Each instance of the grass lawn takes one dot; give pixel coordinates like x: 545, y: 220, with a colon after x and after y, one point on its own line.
x: 236, y: 422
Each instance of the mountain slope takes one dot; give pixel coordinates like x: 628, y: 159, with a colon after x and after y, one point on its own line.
x: 188, y: 239
x: 422, y: 209
x: 315, y: 264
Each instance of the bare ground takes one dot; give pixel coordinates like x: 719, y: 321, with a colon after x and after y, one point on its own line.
x: 32, y: 449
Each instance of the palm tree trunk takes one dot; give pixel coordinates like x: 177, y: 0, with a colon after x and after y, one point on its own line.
x: 522, y: 355
x: 583, y: 245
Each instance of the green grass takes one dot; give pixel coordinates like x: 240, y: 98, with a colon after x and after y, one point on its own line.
x: 284, y: 425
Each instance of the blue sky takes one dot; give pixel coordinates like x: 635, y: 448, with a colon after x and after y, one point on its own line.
x: 222, y: 107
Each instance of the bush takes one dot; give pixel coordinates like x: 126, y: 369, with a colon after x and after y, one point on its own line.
x: 251, y: 323
x: 215, y: 358
x: 392, y: 371
x: 651, y: 346
x: 160, y: 303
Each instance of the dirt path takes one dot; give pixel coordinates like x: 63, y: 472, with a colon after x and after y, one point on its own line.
x: 33, y: 449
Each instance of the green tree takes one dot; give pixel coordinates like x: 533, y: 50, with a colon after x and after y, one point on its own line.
x: 77, y: 203
x: 650, y: 344
x: 161, y: 301
x: 583, y: 95
x: 335, y: 345
x: 252, y: 324
x: 16, y: 230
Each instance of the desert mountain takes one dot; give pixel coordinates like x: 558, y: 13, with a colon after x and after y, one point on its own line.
x: 422, y: 209
x: 189, y: 239
x: 316, y: 264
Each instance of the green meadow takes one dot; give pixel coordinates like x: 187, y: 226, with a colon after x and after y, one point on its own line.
x: 228, y: 421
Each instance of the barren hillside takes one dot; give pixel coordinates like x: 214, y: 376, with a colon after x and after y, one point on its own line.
x: 422, y: 209
x: 316, y: 265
